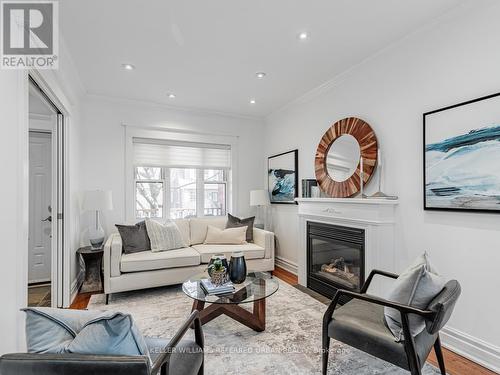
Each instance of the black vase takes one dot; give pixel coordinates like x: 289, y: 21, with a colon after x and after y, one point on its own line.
x: 237, y: 268
x: 222, y: 257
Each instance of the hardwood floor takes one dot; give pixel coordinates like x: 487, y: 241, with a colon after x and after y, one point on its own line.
x: 455, y: 364
x: 82, y: 301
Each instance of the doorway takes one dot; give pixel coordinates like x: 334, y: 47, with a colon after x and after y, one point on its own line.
x: 45, y: 197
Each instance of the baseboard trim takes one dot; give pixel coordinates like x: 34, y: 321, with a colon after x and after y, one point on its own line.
x: 472, y: 348
x: 76, y: 284
x: 287, y: 265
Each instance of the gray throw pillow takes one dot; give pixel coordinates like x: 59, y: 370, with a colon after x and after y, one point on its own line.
x: 50, y: 330
x: 416, y: 286
x: 134, y: 237
x: 236, y: 222
x: 164, y: 236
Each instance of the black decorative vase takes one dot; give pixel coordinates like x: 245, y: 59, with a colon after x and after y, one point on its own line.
x: 237, y: 268
x: 222, y: 257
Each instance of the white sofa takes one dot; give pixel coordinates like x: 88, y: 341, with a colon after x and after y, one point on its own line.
x: 147, y: 269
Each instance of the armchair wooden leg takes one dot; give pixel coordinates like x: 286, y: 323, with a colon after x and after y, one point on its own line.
x: 325, y: 352
x: 439, y: 355
x: 107, y: 298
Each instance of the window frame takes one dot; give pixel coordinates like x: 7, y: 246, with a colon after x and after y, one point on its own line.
x: 165, y: 180
x: 163, y: 132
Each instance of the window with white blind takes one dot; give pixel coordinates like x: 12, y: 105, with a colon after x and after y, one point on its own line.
x: 174, y: 179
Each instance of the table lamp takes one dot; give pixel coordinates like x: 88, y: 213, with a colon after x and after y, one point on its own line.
x: 97, y: 200
x: 260, y: 198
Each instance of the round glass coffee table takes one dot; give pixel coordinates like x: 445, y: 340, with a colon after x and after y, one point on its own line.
x: 255, y: 289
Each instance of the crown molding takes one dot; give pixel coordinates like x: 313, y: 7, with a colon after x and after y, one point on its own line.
x: 157, y: 105
x: 463, y: 8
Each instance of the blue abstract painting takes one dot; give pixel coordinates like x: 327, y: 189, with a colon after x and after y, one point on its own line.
x: 282, y: 177
x: 462, y: 171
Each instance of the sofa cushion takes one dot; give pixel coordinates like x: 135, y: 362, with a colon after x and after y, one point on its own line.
x: 183, y: 225
x: 361, y: 324
x: 234, y: 222
x: 198, y: 227
x: 165, y: 236
x: 147, y: 260
x: 250, y: 251
x: 134, y: 237
x: 50, y: 330
x: 229, y: 236
x: 416, y: 286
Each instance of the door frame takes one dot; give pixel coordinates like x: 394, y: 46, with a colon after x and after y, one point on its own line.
x: 61, y: 255
x: 49, y: 134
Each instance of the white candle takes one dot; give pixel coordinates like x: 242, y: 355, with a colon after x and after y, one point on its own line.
x: 361, y: 167
x: 379, y: 157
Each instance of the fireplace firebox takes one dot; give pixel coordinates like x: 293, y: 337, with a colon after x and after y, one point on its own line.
x: 335, y: 258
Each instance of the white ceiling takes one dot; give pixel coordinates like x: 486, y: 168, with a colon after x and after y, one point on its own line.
x: 207, y: 52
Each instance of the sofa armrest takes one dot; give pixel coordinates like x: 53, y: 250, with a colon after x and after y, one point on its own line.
x: 112, y: 257
x: 264, y: 239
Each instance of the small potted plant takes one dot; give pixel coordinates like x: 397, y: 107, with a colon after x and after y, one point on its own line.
x: 218, y: 274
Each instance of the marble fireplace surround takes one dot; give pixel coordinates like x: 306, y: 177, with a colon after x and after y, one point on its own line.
x: 375, y: 216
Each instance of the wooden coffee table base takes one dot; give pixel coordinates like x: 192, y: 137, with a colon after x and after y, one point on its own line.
x: 255, y: 320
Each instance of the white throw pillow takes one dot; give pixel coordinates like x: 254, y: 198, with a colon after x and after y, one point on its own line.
x: 164, y: 236
x: 229, y: 236
x: 417, y: 286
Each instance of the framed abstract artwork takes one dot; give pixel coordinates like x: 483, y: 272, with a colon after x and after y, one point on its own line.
x: 283, y: 177
x: 462, y: 156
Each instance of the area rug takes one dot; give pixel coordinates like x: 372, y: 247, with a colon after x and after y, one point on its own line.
x: 291, y: 343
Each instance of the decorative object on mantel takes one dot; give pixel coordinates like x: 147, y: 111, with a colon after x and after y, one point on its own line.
x: 461, y: 153
x: 283, y: 177
x: 339, y: 151
x: 97, y: 200
x: 380, y: 166
x: 307, y: 185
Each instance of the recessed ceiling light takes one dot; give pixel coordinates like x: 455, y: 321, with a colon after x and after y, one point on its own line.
x: 260, y: 75
x: 128, y: 66
x: 171, y: 96
x: 252, y: 101
x: 303, y: 35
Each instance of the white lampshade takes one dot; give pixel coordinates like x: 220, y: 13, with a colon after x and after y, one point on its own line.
x: 98, y: 200
x: 259, y: 198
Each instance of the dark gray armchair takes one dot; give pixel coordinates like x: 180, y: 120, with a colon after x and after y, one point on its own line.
x: 360, y: 323
x: 169, y: 357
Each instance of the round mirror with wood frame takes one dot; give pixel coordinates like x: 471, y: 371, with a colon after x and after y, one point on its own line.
x: 365, y: 136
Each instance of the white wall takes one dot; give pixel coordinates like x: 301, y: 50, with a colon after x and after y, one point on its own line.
x: 14, y: 203
x: 453, y: 60
x: 14, y: 190
x: 103, y: 147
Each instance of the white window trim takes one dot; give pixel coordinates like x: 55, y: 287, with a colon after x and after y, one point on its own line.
x: 131, y: 132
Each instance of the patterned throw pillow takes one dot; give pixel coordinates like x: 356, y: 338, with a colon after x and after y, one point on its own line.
x: 164, y: 236
x: 235, y: 222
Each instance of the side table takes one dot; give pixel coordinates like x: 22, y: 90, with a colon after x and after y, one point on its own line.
x: 91, y: 261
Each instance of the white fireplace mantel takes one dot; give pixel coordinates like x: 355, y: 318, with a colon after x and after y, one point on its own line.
x: 375, y: 216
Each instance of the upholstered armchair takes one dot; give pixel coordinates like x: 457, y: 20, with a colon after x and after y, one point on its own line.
x: 360, y: 323
x: 167, y: 357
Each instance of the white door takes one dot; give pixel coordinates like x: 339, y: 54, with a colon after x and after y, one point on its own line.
x: 40, y: 200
